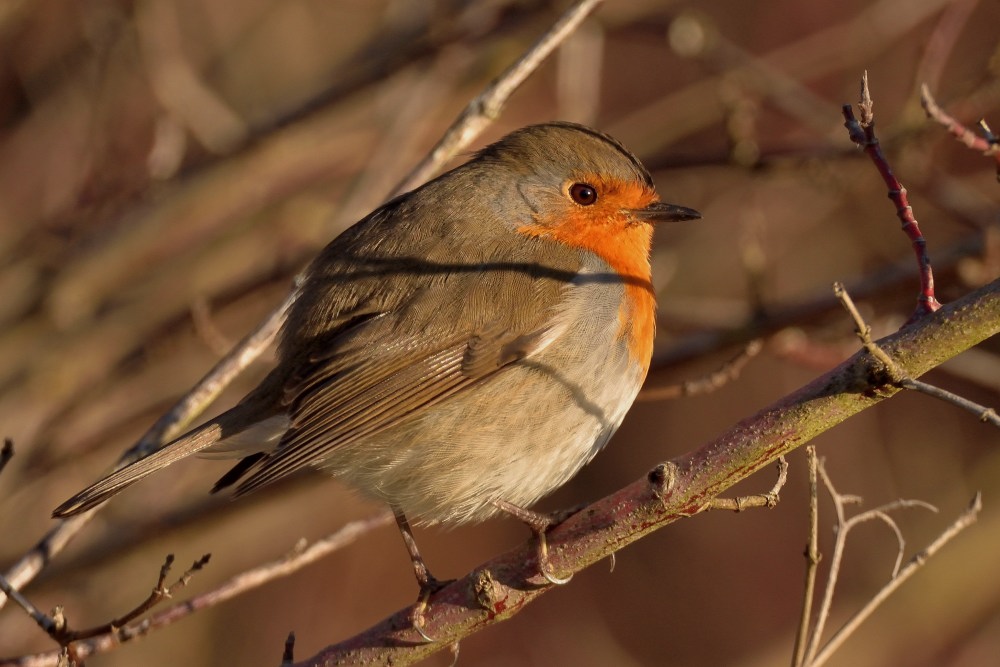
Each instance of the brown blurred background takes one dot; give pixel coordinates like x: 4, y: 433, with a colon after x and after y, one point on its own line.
x: 167, y: 165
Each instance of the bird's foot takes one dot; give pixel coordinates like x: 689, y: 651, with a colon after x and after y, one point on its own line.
x: 540, y: 523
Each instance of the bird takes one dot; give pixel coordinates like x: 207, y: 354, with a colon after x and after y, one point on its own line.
x: 461, y: 351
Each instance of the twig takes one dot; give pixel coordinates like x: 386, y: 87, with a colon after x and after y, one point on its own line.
x: 768, y: 500
x: 725, y: 374
x: 480, y: 113
x: 899, y: 378
x: 36, y: 615
x: 863, y: 134
x: 119, y: 625
x: 938, y: 46
x: 844, y: 526
x: 987, y: 143
x: 166, y: 427
x: 917, y: 561
x: 985, y: 414
x: 300, y: 556
x: 486, y: 106
x: 56, y: 625
x: 812, y: 560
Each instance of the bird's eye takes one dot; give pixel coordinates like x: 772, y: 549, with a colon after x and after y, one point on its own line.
x: 583, y: 194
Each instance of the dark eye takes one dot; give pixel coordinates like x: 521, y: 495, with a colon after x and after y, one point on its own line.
x: 583, y: 194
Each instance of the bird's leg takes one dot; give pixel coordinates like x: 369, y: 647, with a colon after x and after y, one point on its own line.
x: 427, y: 582
x: 539, y: 524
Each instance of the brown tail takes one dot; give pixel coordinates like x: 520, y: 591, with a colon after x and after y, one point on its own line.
x: 227, y: 424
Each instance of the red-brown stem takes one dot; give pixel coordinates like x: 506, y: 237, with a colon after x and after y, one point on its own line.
x: 986, y: 144
x: 863, y: 134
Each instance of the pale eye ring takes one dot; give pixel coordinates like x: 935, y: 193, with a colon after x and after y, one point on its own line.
x: 583, y: 194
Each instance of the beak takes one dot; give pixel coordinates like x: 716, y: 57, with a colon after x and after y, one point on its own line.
x: 663, y: 212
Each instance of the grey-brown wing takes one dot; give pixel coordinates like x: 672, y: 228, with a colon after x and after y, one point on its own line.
x: 396, y: 365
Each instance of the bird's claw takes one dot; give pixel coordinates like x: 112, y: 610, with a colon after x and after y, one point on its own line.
x: 427, y: 589
x: 543, y: 562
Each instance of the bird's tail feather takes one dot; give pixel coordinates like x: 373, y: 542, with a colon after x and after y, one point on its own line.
x: 227, y: 424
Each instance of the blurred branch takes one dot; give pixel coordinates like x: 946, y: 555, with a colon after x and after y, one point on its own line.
x: 719, y: 378
x: 682, y: 487
x: 809, y: 309
x: 685, y: 112
x: 302, y: 555
x: 165, y: 429
x: 987, y: 144
x: 486, y: 107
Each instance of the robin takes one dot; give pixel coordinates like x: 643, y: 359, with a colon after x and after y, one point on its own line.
x: 464, y: 349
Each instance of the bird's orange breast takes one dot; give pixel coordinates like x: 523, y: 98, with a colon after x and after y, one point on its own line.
x: 624, y: 243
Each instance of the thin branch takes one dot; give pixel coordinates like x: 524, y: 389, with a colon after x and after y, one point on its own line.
x: 64, y: 635
x: 166, y: 428
x: 896, y: 375
x: 812, y: 560
x: 768, y: 500
x: 918, y: 560
x: 863, y: 134
x: 36, y: 615
x: 725, y: 374
x: 843, y: 528
x: 985, y: 414
x: 986, y: 143
x: 300, y: 556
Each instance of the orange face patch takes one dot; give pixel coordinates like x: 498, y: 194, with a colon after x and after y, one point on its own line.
x: 608, y: 229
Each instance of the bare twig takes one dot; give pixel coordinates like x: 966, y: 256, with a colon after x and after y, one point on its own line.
x: 843, y: 528
x: 768, y: 500
x: 985, y: 414
x: 917, y: 561
x: 166, y: 427
x: 300, y: 556
x: 58, y: 629
x: 119, y: 625
x: 725, y: 374
x: 812, y: 560
x: 480, y: 113
x: 863, y: 134
x: 36, y: 615
x: 987, y: 143
x: 938, y: 46
x: 897, y: 377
